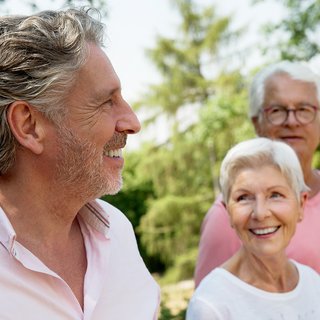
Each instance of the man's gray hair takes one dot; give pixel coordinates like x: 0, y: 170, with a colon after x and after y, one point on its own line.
x: 40, y: 56
x: 295, y: 70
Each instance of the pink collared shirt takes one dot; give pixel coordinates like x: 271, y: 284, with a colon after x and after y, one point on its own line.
x: 117, y: 284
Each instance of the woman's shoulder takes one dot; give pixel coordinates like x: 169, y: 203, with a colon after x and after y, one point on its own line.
x: 302, y: 268
x: 217, y: 278
x: 219, y: 282
x: 307, y: 274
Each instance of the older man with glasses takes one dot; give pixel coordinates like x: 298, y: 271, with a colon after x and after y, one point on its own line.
x: 284, y: 104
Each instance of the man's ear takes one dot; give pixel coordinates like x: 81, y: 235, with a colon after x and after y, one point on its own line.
x: 257, y: 125
x: 26, y: 125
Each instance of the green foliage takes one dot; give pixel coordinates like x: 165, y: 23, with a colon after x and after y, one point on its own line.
x: 316, y: 159
x: 171, y: 226
x: 181, y: 60
x: 179, y: 167
x: 296, y: 32
x: 183, y: 267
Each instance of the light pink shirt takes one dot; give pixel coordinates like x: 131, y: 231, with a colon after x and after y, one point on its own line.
x: 218, y: 241
x: 117, y: 284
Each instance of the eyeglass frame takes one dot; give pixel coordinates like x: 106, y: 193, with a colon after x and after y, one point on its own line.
x: 287, y: 110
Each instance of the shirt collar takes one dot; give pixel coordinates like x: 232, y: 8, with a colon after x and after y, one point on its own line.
x: 92, y: 213
x: 7, y: 233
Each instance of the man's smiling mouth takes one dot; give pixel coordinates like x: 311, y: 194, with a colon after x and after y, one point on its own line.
x: 116, y: 153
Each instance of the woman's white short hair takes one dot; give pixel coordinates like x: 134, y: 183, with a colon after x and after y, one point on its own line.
x: 295, y: 70
x: 258, y: 152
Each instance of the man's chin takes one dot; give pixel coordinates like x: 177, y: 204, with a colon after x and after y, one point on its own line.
x: 111, y: 193
x: 112, y: 189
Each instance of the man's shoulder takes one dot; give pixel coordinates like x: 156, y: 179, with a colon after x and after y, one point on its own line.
x: 217, y: 213
x: 108, y: 207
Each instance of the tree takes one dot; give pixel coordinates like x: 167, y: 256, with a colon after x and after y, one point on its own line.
x: 181, y: 61
x: 297, y: 31
x: 184, y: 169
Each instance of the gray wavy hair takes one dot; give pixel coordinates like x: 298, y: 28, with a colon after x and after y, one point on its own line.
x: 40, y: 56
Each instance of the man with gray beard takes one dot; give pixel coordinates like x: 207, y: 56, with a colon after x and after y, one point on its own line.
x: 65, y: 254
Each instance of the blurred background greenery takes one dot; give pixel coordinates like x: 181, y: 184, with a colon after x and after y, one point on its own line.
x: 169, y: 186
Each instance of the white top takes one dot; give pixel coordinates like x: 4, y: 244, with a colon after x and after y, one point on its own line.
x: 223, y: 296
x: 117, y: 284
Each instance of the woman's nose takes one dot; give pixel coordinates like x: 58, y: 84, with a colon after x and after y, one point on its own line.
x: 260, y: 210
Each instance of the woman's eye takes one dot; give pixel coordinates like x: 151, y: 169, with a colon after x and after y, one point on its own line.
x: 275, y: 195
x: 243, y: 197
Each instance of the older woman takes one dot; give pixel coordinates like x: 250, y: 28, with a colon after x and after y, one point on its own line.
x: 284, y: 105
x: 264, y: 193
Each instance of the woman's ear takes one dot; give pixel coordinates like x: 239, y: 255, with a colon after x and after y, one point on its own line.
x: 303, y: 200
x: 226, y: 207
x: 26, y: 125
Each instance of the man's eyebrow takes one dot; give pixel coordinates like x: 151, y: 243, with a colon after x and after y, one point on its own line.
x: 101, y: 96
x: 112, y: 91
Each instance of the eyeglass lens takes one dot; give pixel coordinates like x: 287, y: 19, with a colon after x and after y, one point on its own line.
x: 278, y: 115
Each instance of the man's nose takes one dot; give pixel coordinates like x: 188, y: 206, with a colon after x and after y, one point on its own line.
x: 128, y: 122
x: 291, y: 118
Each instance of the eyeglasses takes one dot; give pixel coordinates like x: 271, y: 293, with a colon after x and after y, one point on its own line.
x: 278, y: 115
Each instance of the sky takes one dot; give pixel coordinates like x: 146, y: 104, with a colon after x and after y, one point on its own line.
x: 133, y: 25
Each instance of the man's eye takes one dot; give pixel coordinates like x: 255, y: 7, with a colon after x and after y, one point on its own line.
x: 305, y: 108
x: 276, y: 110
x: 109, y: 102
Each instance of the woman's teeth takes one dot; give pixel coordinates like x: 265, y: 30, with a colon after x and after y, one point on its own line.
x: 264, y: 230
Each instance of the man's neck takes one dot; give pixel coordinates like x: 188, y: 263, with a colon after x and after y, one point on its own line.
x: 45, y: 222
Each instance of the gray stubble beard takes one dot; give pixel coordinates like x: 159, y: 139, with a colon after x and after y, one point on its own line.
x: 79, y: 170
